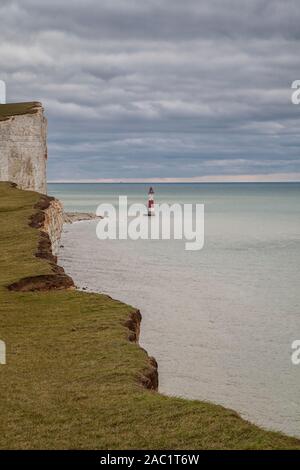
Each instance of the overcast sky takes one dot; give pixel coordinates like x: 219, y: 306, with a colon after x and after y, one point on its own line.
x: 159, y: 88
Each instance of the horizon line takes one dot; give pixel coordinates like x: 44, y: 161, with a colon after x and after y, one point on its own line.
x: 272, y: 178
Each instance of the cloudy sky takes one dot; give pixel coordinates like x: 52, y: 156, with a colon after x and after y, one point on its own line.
x: 159, y: 89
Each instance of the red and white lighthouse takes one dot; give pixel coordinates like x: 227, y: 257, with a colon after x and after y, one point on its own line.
x: 150, y: 202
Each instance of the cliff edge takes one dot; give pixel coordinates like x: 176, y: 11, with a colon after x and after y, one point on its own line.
x: 23, y: 145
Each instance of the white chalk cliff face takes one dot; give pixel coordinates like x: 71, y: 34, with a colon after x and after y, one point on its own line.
x: 23, y: 149
x: 53, y: 223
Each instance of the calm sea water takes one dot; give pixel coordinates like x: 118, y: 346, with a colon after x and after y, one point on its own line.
x: 220, y: 321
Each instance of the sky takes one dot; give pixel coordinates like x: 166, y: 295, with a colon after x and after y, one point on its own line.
x: 159, y: 90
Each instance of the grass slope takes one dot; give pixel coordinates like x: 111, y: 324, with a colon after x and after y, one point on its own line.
x: 71, y: 378
x: 14, y: 109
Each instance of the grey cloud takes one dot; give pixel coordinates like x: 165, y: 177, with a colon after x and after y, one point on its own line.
x: 168, y: 19
x: 158, y: 88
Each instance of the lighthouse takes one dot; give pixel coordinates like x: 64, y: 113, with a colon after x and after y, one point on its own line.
x: 150, y: 202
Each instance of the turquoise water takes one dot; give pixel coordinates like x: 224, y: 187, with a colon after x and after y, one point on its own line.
x: 220, y: 321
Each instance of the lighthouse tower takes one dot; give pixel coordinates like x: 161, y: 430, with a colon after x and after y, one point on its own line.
x: 150, y: 202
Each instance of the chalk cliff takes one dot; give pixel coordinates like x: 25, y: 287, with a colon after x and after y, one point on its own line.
x: 23, y: 145
x: 53, y: 223
x: 49, y: 219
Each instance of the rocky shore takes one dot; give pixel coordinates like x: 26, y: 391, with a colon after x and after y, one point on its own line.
x: 70, y: 217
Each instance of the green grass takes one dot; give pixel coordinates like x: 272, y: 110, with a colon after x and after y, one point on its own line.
x: 71, y: 378
x: 14, y: 109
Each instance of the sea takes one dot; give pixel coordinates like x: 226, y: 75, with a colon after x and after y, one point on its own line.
x: 220, y: 321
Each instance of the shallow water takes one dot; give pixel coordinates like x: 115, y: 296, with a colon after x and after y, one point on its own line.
x: 219, y: 321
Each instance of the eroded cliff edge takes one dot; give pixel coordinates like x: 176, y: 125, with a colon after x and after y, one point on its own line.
x: 23, y: 145
x: 49, y: 218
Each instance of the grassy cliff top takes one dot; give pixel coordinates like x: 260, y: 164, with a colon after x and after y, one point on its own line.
x: 16, y: 109
x: 71, y: 378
